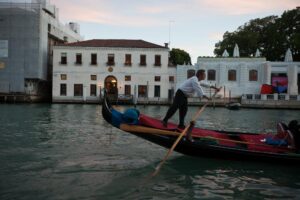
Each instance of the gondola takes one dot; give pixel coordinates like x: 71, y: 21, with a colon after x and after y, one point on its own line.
x: 208, y: 143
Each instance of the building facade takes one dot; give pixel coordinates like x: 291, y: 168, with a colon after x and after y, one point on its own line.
x: 236, y: 75
x: 125, y: 68
x: 28, y: 31
x: 241, y: 76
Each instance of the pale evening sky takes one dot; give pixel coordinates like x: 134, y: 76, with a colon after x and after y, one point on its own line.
x: 195, y: 25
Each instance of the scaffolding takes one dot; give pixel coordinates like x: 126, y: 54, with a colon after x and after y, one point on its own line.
x: 28, y: 30
x: 19, y: 29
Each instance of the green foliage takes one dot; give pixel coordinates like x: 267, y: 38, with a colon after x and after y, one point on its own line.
x: 272, y: 35
x: 179, y: 57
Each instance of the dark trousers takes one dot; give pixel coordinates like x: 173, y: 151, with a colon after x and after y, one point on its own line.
x: 180, y: 101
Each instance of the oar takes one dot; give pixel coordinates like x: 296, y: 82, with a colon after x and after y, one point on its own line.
x: 188, y: 128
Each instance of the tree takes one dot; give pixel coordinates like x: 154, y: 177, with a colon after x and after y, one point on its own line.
x: 179, y: 57
x: 272, y: 35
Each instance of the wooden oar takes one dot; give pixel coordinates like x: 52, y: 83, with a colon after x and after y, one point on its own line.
x: 179, y: 138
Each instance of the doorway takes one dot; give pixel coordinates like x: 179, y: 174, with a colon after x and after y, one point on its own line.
x: 111, y: 86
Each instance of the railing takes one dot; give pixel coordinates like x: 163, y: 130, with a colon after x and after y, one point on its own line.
x: 110, y: 63
x: 273, y: 97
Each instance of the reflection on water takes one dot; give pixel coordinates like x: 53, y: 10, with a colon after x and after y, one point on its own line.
x: 69, y: 152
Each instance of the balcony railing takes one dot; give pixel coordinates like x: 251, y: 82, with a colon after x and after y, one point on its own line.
x: 63, y: 63
x: 78, y: 63
x: 110, y: 63
x: 128, y: 64
x: 94, y: 63
x: 271, y: 97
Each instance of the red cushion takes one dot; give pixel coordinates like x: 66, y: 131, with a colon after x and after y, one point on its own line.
x: 266, y: 89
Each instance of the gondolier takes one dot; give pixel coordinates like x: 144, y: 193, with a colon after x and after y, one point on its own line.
x: 187, y: 89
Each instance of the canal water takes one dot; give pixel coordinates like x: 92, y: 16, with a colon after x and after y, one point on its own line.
x: 66, y: 151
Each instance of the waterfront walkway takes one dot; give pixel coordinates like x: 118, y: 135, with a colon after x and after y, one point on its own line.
x: 277, y: 101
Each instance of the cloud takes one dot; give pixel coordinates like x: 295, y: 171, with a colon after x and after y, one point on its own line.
x: 103, y: 12
x: 160, y: 9
x: 243, y: 7
x: 194, y: 19
x: 157, y: 13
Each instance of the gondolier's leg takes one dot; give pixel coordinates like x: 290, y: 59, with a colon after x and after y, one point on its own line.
x: 173, y: 108
x: 182, y: 112
x: 180, y: 101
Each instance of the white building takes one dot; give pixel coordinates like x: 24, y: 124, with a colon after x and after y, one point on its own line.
x: 240, y: 76
x: 125, y: 68
x: 237, y: 75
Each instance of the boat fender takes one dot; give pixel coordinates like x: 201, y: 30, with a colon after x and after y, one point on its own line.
x: 116, y: 118
x: 131, y: 116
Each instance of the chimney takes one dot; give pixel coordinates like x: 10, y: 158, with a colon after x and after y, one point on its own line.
x: 167, y: 45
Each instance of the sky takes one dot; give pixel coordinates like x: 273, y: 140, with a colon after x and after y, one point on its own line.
x: 192, y: 25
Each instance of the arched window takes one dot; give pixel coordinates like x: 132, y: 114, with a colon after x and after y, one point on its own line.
x: 232, y: 75
x: 253, y: 75
x: 211, y: 75
x: 190, y: 73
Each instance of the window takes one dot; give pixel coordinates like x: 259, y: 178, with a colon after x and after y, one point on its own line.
x: 93, y: 77
x: 127, y: 90
x: 157, y: 91
x: 111, y: 59
x: 93, y: 59
x: 128, y: 60
x: 253, y: 75
x: 190, y: 73
x: 63, y: 77
x: 157, y: 78
x: 78, y: 90
x: 232, y: 75
x: 63, y: 58
x: 171, y: 79
x: 143, y: 60
x: 93, y: 90
x: 63, y: 89
x: 78, y: 59
x: 157, y: 60
x: 142, y: 89
x: 128, y: 78
x: 211, y: 75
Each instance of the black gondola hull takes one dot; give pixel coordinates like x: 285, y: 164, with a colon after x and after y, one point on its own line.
x: 201, y: 148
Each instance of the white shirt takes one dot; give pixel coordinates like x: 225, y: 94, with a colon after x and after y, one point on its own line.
x: 191, y: 86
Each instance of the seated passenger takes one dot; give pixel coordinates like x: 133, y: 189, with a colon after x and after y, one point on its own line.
x: 284, y: 137
x: 281, y: 131
x: 294, y: 128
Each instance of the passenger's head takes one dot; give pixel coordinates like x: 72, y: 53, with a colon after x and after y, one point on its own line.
x: 293, y: 125
x: 201, y: 74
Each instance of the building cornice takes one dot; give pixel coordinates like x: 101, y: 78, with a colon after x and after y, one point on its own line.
x: 108, y: 48
x: 221, y: 59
